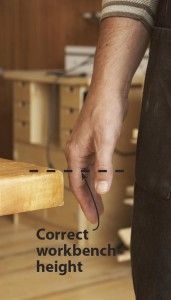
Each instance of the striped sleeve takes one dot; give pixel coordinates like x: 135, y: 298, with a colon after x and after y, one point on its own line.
x: 143, y: 10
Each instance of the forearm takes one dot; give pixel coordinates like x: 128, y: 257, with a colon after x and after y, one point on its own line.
x: 121, y: 46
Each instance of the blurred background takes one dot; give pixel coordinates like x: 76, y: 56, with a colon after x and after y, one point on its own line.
x: 46, y: 59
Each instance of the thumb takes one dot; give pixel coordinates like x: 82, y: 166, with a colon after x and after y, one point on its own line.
x: 103, y: 169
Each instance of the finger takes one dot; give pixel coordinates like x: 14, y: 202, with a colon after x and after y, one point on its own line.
x: 104, y: 167
x: 78, y: 185
x: 98, y: 205
x: 82, y: 193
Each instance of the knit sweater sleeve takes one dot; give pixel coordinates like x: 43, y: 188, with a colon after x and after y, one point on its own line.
x: 143, y: 10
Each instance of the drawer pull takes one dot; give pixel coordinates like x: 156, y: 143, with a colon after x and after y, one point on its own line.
x: 71, y: 89
x: 22, y: 123
x: 22, y: 103
x: 22, y: 131
x: 22, y: 83
x: 71, y: 110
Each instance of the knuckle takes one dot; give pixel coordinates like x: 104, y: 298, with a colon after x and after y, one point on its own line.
x: 104, y: 170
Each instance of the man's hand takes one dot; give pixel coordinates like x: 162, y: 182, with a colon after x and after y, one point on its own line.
x: 91, y: 146
x: 122, y: 43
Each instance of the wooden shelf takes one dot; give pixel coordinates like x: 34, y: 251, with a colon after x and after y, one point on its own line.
x: 46, y: 77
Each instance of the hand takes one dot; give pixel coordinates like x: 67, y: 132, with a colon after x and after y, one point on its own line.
x: 121, y: 46
x: 91, y: 146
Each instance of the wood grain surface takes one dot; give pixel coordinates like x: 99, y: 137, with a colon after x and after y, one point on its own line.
x: 22, y: 190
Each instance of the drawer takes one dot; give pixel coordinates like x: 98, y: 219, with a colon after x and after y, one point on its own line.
x: 22, y: 91
x: 21, y: 110
x: 64, y: 136
x: 68, y: 117
x: 72, y: 96
x: 21, y: 131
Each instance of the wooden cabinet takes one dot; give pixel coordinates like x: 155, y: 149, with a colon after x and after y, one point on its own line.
x: 22, y: 91
x: 21, y: 110
x: 33, y: 107
x: 72, y: 96
x: 68, y: 117
x: 22, y: 131
x: 22, y: 104
x: 71, y: 101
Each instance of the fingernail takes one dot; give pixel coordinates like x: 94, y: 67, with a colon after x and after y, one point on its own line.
x: 102, y: 187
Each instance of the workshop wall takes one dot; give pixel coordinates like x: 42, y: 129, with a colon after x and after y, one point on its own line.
x: 33, y: 34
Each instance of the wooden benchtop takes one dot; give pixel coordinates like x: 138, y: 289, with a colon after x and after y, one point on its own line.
x: 22, y: 190
x: 44, y: 77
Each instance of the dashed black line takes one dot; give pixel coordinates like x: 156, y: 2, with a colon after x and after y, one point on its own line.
x: 70, y: 171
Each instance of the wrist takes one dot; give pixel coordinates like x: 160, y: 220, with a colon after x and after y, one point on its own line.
x: 111, y: 82
x: 109, y: 90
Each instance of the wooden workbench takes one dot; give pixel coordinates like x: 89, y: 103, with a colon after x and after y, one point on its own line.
x: 26, y: 187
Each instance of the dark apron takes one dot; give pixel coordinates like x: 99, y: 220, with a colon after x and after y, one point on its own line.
x: 151, y: 226
x: 153, y: 167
